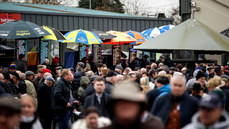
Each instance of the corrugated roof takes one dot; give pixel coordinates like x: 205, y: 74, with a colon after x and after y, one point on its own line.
x: 55, y: 9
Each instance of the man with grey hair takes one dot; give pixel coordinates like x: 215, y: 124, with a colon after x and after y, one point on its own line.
x: 47, y: 64
x: 176, y: 108
x: 89, y: 74
x: 153, y: 66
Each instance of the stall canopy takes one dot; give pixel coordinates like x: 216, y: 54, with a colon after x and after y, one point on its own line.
x: 189, y: 35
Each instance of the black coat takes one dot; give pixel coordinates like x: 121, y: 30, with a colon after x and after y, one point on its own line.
x: 144, y: 63
x: 151, y: 97
x: 61, y: 95
x: 108, y: 88
x: 90, y: 90
x: 164, y: 104
x: 2, y: 90
x: 76, y: 83
x: 21, y: 65
x: 134, y: 64
x: 44, y: 93
x: 92, y: 101
x: 22, y: 87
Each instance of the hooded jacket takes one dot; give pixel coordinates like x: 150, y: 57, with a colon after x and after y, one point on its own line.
x: 76, y: 83
x: 223, y: 123
x: 81, y: 91
x: 164, y: 90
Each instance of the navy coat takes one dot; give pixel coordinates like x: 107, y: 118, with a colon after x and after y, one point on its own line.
x: 163, y: 106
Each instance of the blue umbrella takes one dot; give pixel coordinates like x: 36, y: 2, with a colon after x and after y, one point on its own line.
x: 82, y: 36
x: 153, y: 32
x: 167, y: 27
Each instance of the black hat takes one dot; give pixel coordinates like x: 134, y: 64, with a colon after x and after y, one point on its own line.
x: 197, y: 87
x: 111, y: 74
x: 162, y: 57
x: 199, y: 75
x: 146, y: 56
x: 15, y: 74
x: 210, y: 101
x: 217, y: 68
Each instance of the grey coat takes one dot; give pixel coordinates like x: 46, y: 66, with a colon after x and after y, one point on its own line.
x: 221, y: 124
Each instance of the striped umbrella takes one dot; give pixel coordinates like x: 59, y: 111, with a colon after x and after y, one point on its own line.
x: 120, y: 39
x: 82, y: 36
x: 153, y: 32
x: 167, y: 27
x: 141, y: 38
x: 55, y: 34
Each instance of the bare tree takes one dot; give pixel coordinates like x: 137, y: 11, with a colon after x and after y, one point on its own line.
x: 136, y: 7
x: 174, y: 13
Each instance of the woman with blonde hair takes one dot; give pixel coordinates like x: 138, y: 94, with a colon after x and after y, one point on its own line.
x: 29, y: 119
x: 144, y: 82
x: 214, y: 83
x: 104, y: 72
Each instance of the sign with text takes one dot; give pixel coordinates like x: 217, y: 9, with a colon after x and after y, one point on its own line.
x: 5, y: 17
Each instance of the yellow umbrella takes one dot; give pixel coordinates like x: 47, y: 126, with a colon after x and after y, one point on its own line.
x: 55, y: 34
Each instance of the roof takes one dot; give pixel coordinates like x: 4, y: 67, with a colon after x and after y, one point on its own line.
x: 189, y: 35
x: 23, y: 7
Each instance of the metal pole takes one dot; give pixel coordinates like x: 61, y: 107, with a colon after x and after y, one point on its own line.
x: 89, y: 4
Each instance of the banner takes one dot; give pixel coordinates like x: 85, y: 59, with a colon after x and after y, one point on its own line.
x: 22, y: 48
x: 97, y: 53
x: 5, y: 17
x: 83, y: 52
x: 44, y: 51
x: 116, y: 54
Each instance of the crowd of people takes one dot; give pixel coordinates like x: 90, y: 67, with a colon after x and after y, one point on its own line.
x: 138, y: 95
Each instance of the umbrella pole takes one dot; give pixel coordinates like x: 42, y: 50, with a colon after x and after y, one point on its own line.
x: 129, y: 53
x: 100, y: 55
x: 93, y: 52
x: 113, y: 54
x: 16, y: 44
x: 39, y: 57
x: 120, y: 53
x: 26, y: 50
x: 87, y: 54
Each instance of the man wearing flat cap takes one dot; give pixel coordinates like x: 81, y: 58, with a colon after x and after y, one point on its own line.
x: 44, y: 102
x: 127, y: 107
x: 29, y: 85
x: 9, y: 112
x: 210, y: 115
x: 110, y: 81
